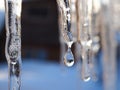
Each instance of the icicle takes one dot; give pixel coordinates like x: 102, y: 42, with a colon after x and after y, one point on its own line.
x: 64, y: 8
x: 84, y: 37
x: 108, y: 44
x: 95, y: 26
x: 61, y: 40
x: 13, y: 42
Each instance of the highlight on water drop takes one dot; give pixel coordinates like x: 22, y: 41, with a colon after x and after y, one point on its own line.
x: 69, y: 58
x: 86, y: 78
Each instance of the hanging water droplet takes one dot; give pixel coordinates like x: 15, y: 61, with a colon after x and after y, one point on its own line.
x: 86, y: 78
x: 69, y: 58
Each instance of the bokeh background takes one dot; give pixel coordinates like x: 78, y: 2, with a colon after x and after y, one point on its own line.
x: 41, y: 69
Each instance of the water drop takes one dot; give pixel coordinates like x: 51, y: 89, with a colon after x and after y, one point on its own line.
x: 69, y: 58
x: 86, y: 78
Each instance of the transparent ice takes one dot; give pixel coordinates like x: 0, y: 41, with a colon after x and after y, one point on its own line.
x: 13, y: 42
x: 84, y: 37
x: 65, y: 11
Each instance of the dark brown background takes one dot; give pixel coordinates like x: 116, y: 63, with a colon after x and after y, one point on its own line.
x: 40, y: 37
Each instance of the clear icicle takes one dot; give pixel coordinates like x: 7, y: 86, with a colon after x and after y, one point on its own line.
x: 74, y: 30
x: 64, y: 8
x: 95, y: 37
x: 61, y: 40
x: 84, y: 37
x: 78, y: 22
x: 85, y: 73
x: 13, y: 42
x: 73, y: 20
x: 108, y: 28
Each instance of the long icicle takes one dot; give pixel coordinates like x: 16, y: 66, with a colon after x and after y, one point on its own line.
x: 108, y: 44
x: 64, y: 8
x: 84, y: 35
x: 13, y: 42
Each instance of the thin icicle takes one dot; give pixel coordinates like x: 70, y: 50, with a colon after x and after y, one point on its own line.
x: 64, y: 8
x: 13, y: 42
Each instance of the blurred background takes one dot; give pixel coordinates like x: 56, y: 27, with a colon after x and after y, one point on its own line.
x: 41, y: 68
